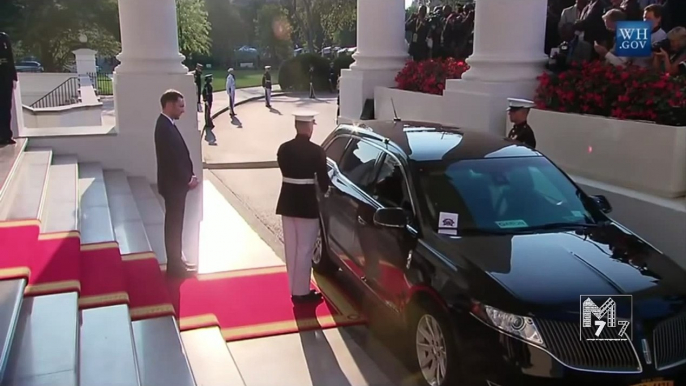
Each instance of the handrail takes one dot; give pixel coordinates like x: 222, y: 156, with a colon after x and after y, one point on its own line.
x: 61, y: 95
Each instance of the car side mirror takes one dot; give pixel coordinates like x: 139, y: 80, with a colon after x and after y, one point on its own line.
x: 603, y: 203
x: 390, y: 218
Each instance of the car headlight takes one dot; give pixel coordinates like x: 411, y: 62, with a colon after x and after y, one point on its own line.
x: 522, y: 327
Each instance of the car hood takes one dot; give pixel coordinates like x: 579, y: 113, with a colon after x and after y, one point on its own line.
x: 555, y: 269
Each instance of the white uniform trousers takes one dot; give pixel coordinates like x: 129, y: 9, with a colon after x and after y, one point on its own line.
x: 299, y: 237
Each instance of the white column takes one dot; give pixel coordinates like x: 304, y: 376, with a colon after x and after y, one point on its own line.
x: 381, y: 53
x: 508, y: 56
x: 150, y: 65
x: 85, y: 61
x: 17, y: 113
x: 149, y: 37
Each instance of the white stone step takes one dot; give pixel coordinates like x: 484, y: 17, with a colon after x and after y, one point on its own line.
x: 160, y: 354
x: 25, y: 194
x: 45, y: 348
x: 152, y: 215
x: 11, y: 296
x: 107, y: 352
x: 9, y: 162
x: 210, y: 359
x: 129, y: 229
x: 61, y: 212
x: 96, y: 221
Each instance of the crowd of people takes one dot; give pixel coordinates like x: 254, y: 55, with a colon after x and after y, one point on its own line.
x: 584, y: 30
x: 444, y: 33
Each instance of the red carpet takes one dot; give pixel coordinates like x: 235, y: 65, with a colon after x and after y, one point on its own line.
x: 256, y: 303
x: 147, y: 287
x: 103, y: 279
x: 18, y: 241
x: 56, y: 266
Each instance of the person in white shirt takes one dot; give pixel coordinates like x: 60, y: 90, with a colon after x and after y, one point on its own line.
x: 652, y: 14
x: 231, y: 90
x: 572, y: 14
x: 611, y: 18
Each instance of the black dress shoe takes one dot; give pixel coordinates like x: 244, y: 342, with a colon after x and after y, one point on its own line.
x: 9, y: 141
x: 181, y: 270
x: 312, y: 297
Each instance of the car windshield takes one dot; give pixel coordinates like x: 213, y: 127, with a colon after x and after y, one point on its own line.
x: 502, y: 195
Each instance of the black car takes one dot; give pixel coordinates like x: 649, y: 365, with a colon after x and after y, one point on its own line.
x: 485, y: 251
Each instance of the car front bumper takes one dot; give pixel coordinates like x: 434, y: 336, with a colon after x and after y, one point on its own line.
x: 488, y: 355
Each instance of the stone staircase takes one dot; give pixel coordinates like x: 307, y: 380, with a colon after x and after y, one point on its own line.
x: 49, y: 339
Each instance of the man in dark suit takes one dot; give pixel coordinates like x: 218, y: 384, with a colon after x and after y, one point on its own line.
x: 591, y: 23
x: 8, y: 83
x: 174, y: 179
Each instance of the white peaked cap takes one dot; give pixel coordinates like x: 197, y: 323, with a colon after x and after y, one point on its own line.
x: 305, y: 115
x: 514, y: 103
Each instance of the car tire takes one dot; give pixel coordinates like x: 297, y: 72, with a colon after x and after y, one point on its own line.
x: 432, y: 344
x: 321, y: 262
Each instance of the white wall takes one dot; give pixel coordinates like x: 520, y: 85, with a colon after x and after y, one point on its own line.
x: 36, y: 85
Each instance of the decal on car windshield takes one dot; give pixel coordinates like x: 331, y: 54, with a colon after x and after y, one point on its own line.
x: 447, y: 220
x: 512, y: 224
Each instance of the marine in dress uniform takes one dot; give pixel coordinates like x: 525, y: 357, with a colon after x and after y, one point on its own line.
x: 267, y: 85
x: 518, y: 111
x: 208, y: 97
x: 231, y: 91
x: 303, y: 168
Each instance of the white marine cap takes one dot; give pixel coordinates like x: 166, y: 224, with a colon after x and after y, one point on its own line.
x: 516, y: 104
x: 267, y: 67
x: 305, y: 115
x: 230, y: 69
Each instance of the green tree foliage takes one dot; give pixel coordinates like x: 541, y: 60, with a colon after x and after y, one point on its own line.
x: 273, y: 31
x: 194, y: 28
x: 229, y: 30
x: 338, y: 20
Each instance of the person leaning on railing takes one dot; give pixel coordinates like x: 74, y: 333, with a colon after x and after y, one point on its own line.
x: 672, y: 59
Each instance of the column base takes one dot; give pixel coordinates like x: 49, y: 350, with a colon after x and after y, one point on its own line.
x: 477, y: 105
x: 358, y: 85
x: 17, y: 113
x: 137, y: 107
x: 156, y: 65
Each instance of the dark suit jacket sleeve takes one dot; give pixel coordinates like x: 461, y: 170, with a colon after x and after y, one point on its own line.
x: 322, y: 172
x: 593, y: 21
x: 10, y: 59
x: 175, y: 168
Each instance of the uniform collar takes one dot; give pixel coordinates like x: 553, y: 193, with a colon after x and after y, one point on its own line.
x: 520, y: 124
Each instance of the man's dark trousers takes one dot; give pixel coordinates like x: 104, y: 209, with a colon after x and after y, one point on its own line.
x: 175, y: 208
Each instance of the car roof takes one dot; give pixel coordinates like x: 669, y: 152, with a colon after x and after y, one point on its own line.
x: 423, y: 141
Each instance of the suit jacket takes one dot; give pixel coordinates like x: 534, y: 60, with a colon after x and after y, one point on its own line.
x: 592, y: 24
x: 174, y: 165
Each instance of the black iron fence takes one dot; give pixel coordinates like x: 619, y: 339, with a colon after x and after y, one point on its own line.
x: 66, y: 93
x: 102, y: 82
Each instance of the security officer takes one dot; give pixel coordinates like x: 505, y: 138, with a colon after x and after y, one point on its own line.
x: 303, y: 168
x: 518, y: 111
x: 267, y: 85
x: 8, y: 83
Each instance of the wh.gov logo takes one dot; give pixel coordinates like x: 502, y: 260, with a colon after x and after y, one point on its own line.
x: 633, y: 39
x: 605, y: 317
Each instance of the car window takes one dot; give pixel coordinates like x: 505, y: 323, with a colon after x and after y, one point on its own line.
x: 504, y: 193
x: 390, y: 188
x: 336, y: 148
x: 358, y: 163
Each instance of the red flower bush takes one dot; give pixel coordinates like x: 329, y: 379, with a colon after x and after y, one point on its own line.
x: 429, y: 76
x: 631, y: 92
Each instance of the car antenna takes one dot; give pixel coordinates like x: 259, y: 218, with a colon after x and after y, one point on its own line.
x: 395, y: 114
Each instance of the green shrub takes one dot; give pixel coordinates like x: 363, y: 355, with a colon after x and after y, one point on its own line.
x: 342, y: 62
x: 294, y: 74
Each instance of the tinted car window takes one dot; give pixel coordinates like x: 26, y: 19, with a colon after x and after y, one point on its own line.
x: 390, y: 188
x: 502, y: 194
x: 358, y: 163
x: 336, y: 148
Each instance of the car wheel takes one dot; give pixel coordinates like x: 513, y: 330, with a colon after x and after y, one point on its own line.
x: 433, y: 350
x: 321, y: 263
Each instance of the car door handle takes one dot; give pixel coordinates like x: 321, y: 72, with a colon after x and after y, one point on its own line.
x: 361, y: 220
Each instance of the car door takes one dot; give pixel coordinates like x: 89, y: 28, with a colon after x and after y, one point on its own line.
x: 386, y: 250
x: 334, y: 153
x: 355, y: 174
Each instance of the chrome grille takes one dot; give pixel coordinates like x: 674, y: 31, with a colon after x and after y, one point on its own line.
x: 669, y: 342
x: 562, y: 340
